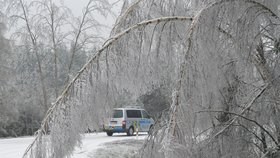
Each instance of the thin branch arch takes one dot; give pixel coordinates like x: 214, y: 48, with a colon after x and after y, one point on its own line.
x: 112, y: 40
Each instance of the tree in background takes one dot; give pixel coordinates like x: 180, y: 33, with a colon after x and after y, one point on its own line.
x: 44, y: 35
x: 7, y: 90
x: 86, y: 29
x: 54, y: 19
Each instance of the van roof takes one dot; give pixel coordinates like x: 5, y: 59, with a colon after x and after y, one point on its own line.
x: 130, y: 108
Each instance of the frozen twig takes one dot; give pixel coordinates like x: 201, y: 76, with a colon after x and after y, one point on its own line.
x: 246, y: 118
x: 249, y: 105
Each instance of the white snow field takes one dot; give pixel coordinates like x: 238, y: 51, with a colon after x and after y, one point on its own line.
x: 15, y: 147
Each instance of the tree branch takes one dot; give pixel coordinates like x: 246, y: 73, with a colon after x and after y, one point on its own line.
x: 248, y: 119
x: 87, y: 65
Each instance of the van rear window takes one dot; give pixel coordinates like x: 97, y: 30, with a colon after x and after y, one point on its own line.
x: 118, y: 114
x: 133, y: 113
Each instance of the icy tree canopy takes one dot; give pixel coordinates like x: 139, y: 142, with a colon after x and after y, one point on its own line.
x: 219, y: 62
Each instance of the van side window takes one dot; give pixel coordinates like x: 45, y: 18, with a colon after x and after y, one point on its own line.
x: 133, y: 114
x: 118, y: 114
x: 145, y: 114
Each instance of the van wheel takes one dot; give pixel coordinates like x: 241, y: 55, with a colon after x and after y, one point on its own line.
x: 130, y: 131
x: 109, y: 133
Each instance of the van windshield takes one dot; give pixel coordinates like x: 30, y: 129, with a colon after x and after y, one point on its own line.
x: 118, y: 114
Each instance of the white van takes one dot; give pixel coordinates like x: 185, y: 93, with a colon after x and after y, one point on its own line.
x: 128, y: 120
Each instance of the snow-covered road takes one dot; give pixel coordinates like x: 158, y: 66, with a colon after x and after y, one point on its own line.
x: 15, y: 147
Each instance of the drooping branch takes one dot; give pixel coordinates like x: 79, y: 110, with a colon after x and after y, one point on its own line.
x: 107, y: 44
x: 176, y: 98
x: 246, y: 1
x: 173, y: 121
x: 125, y: 14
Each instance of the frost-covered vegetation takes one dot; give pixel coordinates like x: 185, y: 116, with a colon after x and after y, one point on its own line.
x: 47, y: 46
x: 215, y: 61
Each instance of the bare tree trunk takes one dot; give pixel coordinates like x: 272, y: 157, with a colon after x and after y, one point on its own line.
x: 54, y: 49
x: 74, y: 48
x: 55, y: 72
x: 45, y: 102
x: 35, y: 49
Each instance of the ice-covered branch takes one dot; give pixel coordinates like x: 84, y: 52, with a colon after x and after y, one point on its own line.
x: 65, y: 92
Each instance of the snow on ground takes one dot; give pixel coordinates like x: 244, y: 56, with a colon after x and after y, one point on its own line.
x: 94, y: 145
x: 14, y: 147
x: 95, y: 142
x: 119, y: 149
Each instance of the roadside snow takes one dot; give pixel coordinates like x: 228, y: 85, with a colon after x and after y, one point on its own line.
x: 119, y: 149
x: 14, y: 147
x: 93, y: 144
